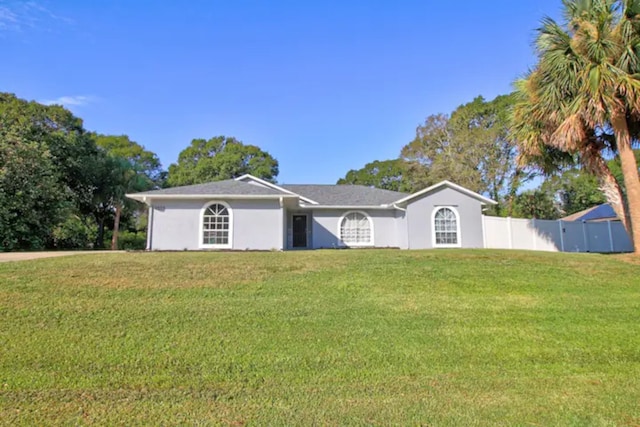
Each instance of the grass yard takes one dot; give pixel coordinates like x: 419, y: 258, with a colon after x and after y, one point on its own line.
x: 371, y: 337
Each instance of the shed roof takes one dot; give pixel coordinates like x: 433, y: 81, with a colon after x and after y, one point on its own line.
x: 595, y: 213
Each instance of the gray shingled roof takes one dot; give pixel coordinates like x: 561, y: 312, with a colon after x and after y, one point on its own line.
x: 329, y: 195
x: 596, y: 213
x: 227, y: 187
x: 345, y: 195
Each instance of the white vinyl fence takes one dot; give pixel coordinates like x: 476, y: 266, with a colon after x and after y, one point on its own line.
x: 554, y: 236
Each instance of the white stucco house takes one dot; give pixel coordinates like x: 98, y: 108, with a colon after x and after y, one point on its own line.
x: 248, y: 213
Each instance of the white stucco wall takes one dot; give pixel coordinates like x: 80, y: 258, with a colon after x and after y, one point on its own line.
x: 256, y: 224
x: 402, y: 232
x: 175, y: 225
x: 265, y: 224
x: 419, y: 217
x: 326, y: 227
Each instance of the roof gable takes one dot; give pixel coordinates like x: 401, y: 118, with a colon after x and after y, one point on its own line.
x: 267, y: 184
x: 446, y: 184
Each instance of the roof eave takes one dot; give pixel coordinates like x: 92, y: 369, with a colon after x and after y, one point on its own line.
x: 141, y: 197
x: 354, y: 207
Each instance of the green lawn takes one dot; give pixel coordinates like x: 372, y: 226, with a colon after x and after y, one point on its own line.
x: 371, y: 337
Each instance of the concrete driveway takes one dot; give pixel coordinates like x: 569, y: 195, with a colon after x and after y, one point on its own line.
x: 24, y: 256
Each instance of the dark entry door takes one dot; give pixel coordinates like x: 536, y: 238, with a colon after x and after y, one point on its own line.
x: 299, y: 231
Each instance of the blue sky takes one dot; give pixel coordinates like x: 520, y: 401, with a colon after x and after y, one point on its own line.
x: 324, y: 86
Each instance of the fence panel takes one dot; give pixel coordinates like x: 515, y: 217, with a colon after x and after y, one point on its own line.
x: 598, y: 237
x: 496, y: 232
x: 621, y: 240
x: 573, y: 235
x: 522, y: 234
x: 544, y: 235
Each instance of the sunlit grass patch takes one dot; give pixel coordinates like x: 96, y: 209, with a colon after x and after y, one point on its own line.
x: 321, y: 337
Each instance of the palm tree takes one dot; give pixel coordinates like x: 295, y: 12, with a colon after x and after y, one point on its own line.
x: 583, y: 96
x: 127, y: 178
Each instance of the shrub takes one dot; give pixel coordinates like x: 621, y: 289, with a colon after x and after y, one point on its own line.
x: 129, y: 240
x: 73, y: 233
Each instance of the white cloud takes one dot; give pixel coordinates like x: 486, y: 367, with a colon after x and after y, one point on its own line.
x: 70, y: 101
x: 8, y: 19
x: 17, y: 15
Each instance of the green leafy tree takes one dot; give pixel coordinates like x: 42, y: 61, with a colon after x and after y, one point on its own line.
x: 127, y: 178
x: 56, y: 130
x: 32, y: 199
x: 100, y: 204
x: 537, y: 204
x: 126, y: 167
x: 45, y: 163
x: 485, y: 125
x: 220, y: 158
x: 583, y: 96
x: 73, y: 232
x: 616, y: 170
x: 560, y: 195
x: 385, y: 174
x: 145, y: 161
x: 472, y: 147
x: 434, y: 155
x: 574, y: 191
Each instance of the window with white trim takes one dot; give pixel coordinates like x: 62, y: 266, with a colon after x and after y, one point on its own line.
x: 445, y: 227
x: 216, y: 225
x: 356, y: 229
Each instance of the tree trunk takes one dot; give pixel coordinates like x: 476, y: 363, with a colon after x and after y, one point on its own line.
x: 630, y: 174
x: 513, y: 190
x: 100, y: 235
x: 116, y: 226
x: 495, y: 195
x: 609, y: 186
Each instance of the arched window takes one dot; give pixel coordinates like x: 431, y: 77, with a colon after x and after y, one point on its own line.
x: 216, y: 226
x: 356, y: 229
x: 446, y: 227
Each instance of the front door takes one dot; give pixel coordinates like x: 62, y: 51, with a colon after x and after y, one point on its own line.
x: 299, y: 231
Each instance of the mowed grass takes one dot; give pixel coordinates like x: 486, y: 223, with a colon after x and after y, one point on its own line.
x: 370, y: 337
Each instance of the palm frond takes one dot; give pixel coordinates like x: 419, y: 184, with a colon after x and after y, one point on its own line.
x: 588, y: 69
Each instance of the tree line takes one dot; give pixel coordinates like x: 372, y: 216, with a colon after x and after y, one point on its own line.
x: 573, y: 120
x: 474, y: 147
x: 63, y: 187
